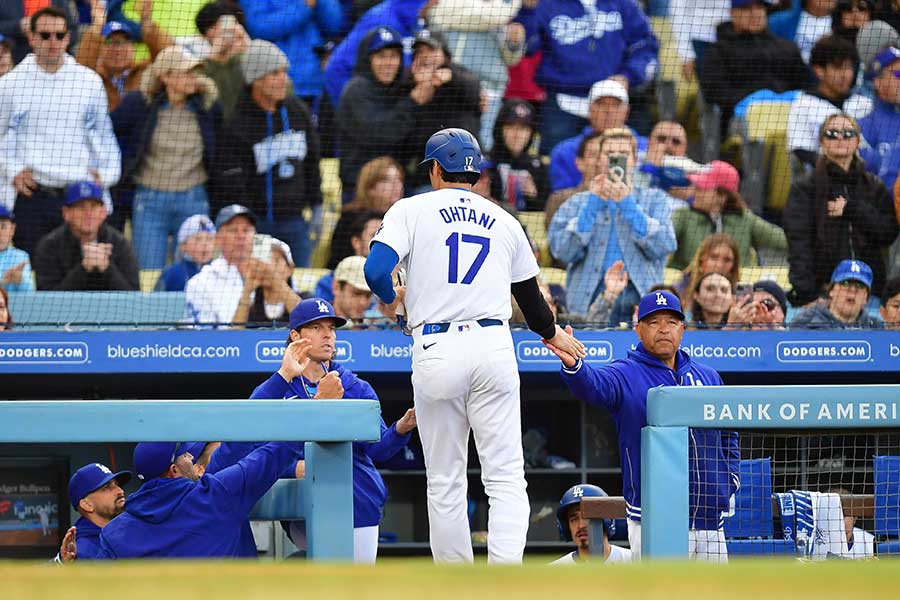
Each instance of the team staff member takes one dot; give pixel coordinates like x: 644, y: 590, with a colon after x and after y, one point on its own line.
x: 622, y: 387
x: 96, y: 493
x: 179, y: 514
x: 313, y: 327
x: 462, y: 255
x: 573, y: 527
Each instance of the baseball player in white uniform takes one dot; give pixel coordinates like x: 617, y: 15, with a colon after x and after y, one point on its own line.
x: 463, y: 255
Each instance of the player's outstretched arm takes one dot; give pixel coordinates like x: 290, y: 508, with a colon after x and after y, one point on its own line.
x: 564, y: 342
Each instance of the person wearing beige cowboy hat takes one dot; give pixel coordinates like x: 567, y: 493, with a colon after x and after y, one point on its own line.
x: 167, y: 133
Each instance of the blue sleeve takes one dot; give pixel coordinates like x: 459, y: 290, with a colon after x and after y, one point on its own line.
x: 340, y: 66
x: 247, y: 481
x: 732, y: 448
x: 642, y: 48
x: 106, y: 551
x: 275, y: 20
x: 379, y: 264
x: 229, y: 454
x: 390, y: 443
x: 272, y: 388
x: 634, y: 215
x: 527, y: 17
x: 600, y: 387
x: 329, y: 17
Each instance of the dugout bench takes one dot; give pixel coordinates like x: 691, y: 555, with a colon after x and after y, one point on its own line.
x: 324, y: 499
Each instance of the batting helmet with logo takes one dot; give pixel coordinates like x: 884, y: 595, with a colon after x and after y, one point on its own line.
x: 456, y: 150
x: 573, y: 496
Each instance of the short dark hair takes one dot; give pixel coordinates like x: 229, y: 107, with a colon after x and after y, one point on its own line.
x: 49, y: 11
x: 462, y: 177
x: 359, y: 222
x: 582, y: 145
x: 891, y: 289
x: 833, y: 50
x: 210, y: 13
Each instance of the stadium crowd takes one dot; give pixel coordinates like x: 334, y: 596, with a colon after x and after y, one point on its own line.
x: 192, y: 141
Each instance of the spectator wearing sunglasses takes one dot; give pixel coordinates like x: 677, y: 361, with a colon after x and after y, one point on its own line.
x: 55, y: 129
x: 15, y: 23
x: 848, y: 294
x: 881, y: 127
x: 668, y: 139
x: 838, y: 210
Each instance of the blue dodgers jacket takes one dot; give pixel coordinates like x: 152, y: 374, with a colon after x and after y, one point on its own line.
x: 87, y: 540
x: 881, y: 130
x: 180, y: 518
x: 369, y: 491
x: 621, y: 388
x: 582, y: 47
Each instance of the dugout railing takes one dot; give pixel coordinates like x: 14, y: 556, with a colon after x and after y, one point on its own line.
x: 671, y: 411
x: 324, y: 498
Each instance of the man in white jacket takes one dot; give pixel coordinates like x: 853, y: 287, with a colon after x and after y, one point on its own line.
x: 55, y: 129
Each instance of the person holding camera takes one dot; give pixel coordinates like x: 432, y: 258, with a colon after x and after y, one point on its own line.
x: 613, y: 220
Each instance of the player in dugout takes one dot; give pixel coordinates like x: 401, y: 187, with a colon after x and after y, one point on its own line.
x: 621, y: 388
x: 573, y: 527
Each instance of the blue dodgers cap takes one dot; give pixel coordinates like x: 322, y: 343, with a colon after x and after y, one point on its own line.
x: 314, y: 309
x: 231, y: 211
x: 657, y: 301
x: 856, y: 270
x: 152, y: 459
x: 6, y: 214
x: 384, y: 37
x: 83, y: 190
x: 92, y: 477
x: 112, y: 27
x: 882, y: 59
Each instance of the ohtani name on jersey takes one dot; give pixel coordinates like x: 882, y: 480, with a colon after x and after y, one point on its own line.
x: 461, y: 213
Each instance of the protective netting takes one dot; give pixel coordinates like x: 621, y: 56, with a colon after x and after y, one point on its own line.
x: 831, y: 494
x: 738, y: 153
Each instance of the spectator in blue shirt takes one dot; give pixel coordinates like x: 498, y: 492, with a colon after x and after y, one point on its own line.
x: 881, y: 127
x: 583, y: 42
x: 196, y: 248
x: 297, y: 28
x: 15, y: 268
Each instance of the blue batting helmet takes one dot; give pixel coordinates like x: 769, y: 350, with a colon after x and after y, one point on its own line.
x: 573, y: 496
x: 456, y: 150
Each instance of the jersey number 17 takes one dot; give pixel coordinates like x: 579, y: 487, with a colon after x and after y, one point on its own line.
x: 453, y: 243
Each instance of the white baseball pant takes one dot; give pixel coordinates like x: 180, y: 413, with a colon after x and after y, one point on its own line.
x: 467, y: 379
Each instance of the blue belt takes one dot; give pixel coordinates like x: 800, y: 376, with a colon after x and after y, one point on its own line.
x: 429, y: 328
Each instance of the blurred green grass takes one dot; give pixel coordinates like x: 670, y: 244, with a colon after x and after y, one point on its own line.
x: 420, y: 580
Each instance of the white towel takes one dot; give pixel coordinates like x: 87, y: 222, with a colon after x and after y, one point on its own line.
x: 829, y: 535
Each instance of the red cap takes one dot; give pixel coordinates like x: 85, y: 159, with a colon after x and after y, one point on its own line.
x: 717, y: 174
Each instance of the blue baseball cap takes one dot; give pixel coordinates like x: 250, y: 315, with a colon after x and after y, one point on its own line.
x: 112, y: 27
x: 882, y: 59
x: 856, y: 270
x: 92, y: 477
x: 234, y: 210
x: 5, y: 41
x: 83, y: 190
x: 384, y: 37
x: 314, y: 309
x: 152, y: 459
x: 6, y: 214
x: 657, y: 301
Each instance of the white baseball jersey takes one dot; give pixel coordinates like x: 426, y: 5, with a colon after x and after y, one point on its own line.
x: 617, y: 554
x: 456, y: 247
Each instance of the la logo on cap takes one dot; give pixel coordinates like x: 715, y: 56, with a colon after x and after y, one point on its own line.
x: 854, y: 267
x: 323, y: 308
x: 385, y: 35
x: 578, y: 492
x: 103, y: 468
x: 661, y: 300
x: 85, y: 189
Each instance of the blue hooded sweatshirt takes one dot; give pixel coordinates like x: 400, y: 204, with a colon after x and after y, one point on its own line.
x: 581, y: 48
x: 87, y: 540
x: 881, y: 130
x: 180, y: 518
x: 621, y: 388
x: 369, y: 491
x: 402, y: 15
x: 297, y: 29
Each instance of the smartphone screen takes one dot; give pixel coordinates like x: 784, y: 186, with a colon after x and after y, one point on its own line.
x: 262, y: 247
x: 617, y: 166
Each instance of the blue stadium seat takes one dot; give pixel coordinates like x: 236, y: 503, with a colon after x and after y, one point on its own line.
x: 887, y: 502
x: 34, y: 310
x: 749, y: 532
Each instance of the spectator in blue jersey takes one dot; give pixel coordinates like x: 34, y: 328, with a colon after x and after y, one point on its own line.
x: 178, y: 513
x: 196, y: 248
x: 308, y: 371
x: 621, y: 388
x: 607, y: 109
x: 585, y: 41
x: 611, y: 221
x: 881, y: 127
x: 96, y: 494
x: 403, y: 16
x: 297, y: 28
x: 268, y: 157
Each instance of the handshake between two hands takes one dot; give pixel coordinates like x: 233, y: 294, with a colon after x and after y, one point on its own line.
x: 566, y: 346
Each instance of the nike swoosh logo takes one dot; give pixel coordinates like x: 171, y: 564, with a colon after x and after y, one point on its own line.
x: 427, y: 346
